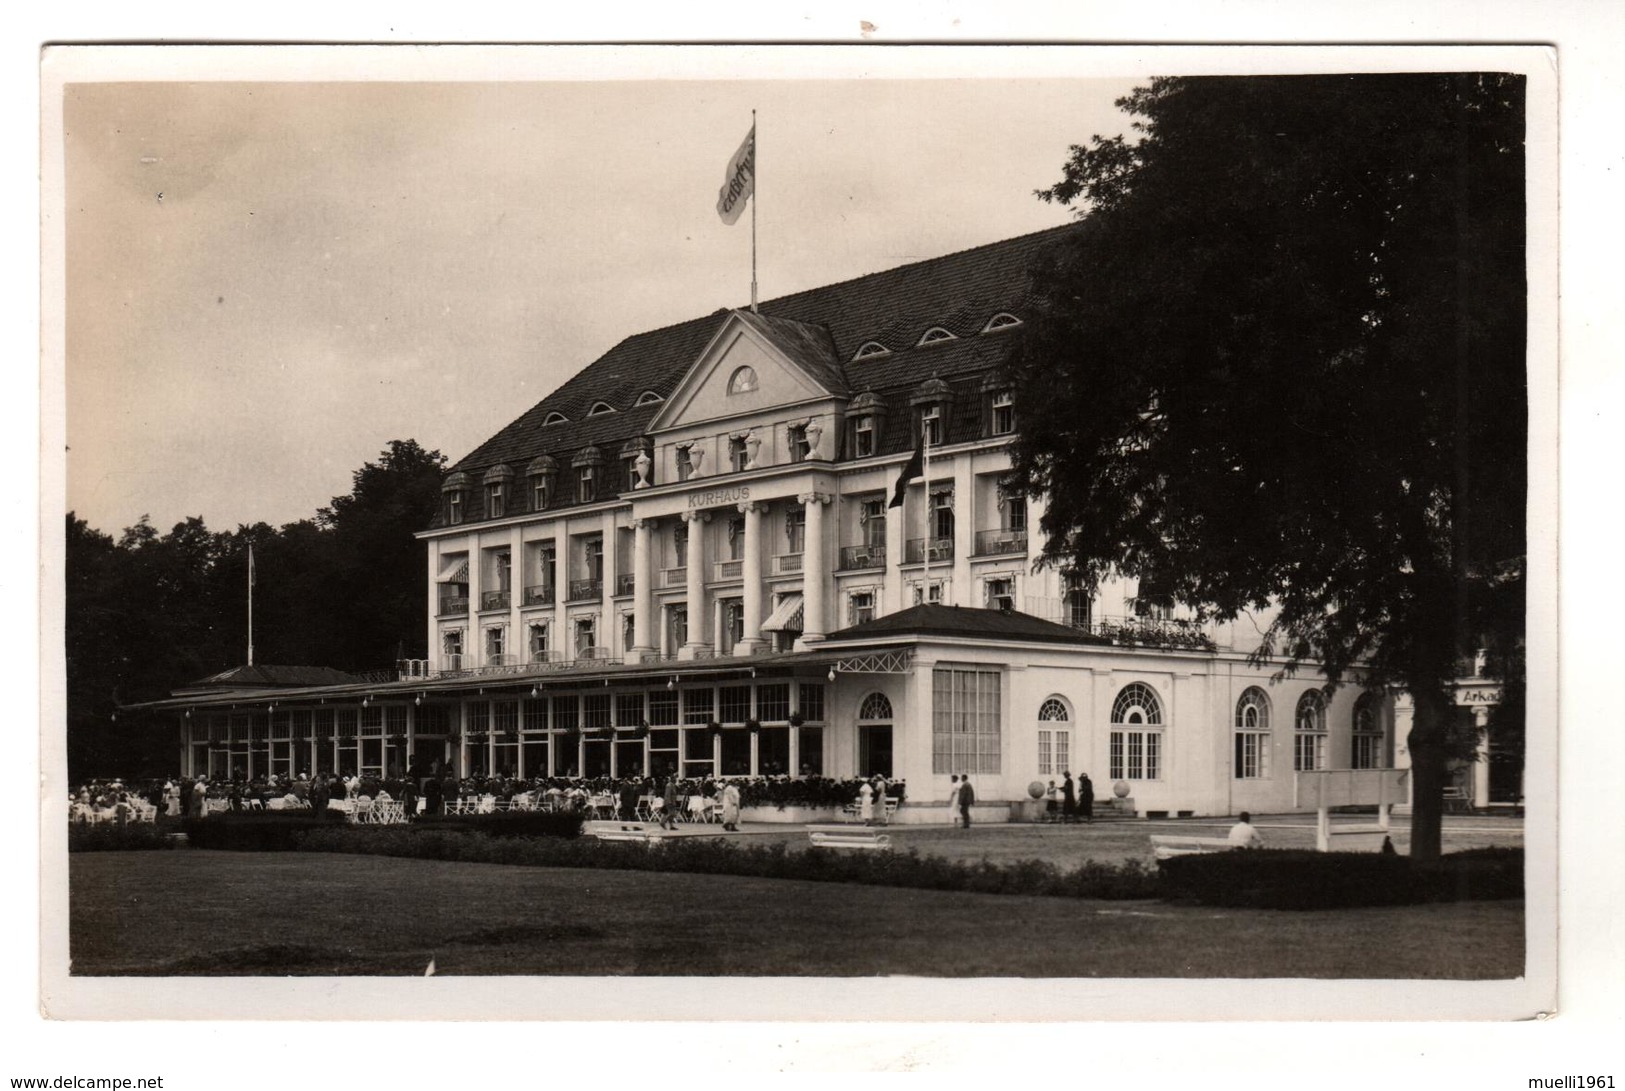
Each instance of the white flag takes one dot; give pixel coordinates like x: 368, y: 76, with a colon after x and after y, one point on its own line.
x: 740, y: 181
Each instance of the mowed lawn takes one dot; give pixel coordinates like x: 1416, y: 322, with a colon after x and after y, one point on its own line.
x: 192, y: 912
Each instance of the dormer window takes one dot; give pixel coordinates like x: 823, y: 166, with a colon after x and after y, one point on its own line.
x: 1004, y: 413
x: 455, y: 493
x: 1001, y: 321
x: 932, y: 402
x: 685, y: 462
x: 586, y: 464
x: 599, y: 409
x: 496, y: 491
x: 936, y: 334
x: 541, y: 473
x: 864, y: 418
x: 870, y: 350
x: 743, y: 381
x: 799, y: 447
x: 738, y: 456
x: 649, y: 397
x: 555, y: 418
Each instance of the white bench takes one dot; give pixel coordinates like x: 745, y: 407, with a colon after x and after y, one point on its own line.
x: 1355, y: 838
x: 848, y: 837
x: 624, y: 831
x: 1165, y: 846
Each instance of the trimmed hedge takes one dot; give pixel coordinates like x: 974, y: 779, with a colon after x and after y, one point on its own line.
x: 714, y: 856
x: 111, y: 837
x: 506, y: 823
x: 1300, y: 879
x: 256, y: 831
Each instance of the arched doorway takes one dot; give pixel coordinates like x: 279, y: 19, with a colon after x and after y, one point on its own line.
x: 875, y: 736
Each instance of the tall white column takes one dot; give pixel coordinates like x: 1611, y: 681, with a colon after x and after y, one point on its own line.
x: 559, y: 639
x: 608, y: 622
x: 432, y: 648
x: 1481, y: 763
x: 642, y: 591
x: 698, y: 608
x: 1404, y: 712
x: 893, y: 585
x: 814, y: 567
x: 516, y: 592
x: 752, y: 636
x: 959, y: 592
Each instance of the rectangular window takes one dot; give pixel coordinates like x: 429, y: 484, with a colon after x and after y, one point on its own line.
x: 685, y: 463
x: 861, y: 607
x: 1001, y: 593
x: 795, y: 530
x: 566, y: 712
x: 1063, y: 751
x: 737, y: 455
x: 451, y: 646
x: 628, y: 709
x: 1252, y: 755
x: 593, y: 556
x: 538, y: 642
x: 584, y: 485
x: 1004, y: 413
x: 454, y: 508
x: 586, y: 636
x: 1367, y: 752
x: 811, y: 742
x: 540, y: 492
x: 873, y: 518
x: 496, y: 645
x: 811, y: 703
x: 1135, y: 755
x: 799, y: 448
x: 663, y: 708
x: 629, y: 473
x: 1015, y: 514
x: 965, y: 721
x: 863, y: 437
x: 735, y: 531
x: 679, y: 545
x: 497, y: 504
x: 1308, y: 751
x: 595, y: 711
x: 735, y: 704
x: 1046, y: 753
x: 773, y: 702
x: 535, y: 714
x: 942, y: 517
x: 698, y: 706
x: 931, y: 426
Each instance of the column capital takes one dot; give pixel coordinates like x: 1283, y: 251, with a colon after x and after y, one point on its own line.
x: 748, y: 506
x: 642, y: 524
x: 696, y: 516
x: 813, y: 498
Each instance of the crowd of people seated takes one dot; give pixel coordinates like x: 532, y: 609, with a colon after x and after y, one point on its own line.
x: 434, y: 789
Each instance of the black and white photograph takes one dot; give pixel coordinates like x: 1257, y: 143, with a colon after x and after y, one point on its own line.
x: 1004, y: 533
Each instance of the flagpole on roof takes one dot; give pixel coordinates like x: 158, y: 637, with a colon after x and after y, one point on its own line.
x: 755, y: 200
x: 250, y: 604
x: 930, y: 528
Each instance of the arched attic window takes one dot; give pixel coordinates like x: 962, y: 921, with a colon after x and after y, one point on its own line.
x: 870, y: 350
x: 649, y: 397
x: 599, y: 409
x: 1002, y: 321
x: 934, y: 335
x: 742, y: 381
x: 555, y: 418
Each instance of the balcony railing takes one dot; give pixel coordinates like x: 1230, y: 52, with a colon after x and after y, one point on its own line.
x: 787, y: 564
x: 539, y: 595
x: 493, y: 600
x: 674, y: 577
x: 992, y: 542
x: 940, y: 549
x: 453, y: 606
x: 863, y: 556
x: 586, y: 589
x: 624, y: 583
x: 547, y: 660
x: 1154, y: 632
x: 730, y: 570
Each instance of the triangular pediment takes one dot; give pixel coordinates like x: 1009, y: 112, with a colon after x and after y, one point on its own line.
x: 752, y: 364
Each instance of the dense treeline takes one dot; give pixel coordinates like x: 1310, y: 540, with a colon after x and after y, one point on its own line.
x: 147, y: 612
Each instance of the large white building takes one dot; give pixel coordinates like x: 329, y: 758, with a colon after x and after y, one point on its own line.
x: 686, y: 558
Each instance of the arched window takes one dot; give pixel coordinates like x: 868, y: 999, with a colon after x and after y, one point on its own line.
x: 1054, y: 738
x: 1136, y: 740
x: 600, y: 408
x: 935, y: 334
x: 869, y: 350
x: 649, y: 397
x: 1368, y: 734
x: 743, y: 381
x: 1252, y: 757
x: 555, y: 418
x: 1001, y: 321
x: 1309, y: 740
x: 876, y: 706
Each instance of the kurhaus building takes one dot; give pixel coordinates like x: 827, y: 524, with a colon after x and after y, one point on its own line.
x: 685, y: 559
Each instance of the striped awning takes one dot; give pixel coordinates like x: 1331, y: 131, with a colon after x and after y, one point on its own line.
x: 787, y: 618
x: 455, y: 571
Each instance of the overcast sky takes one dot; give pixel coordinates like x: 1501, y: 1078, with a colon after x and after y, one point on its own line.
x: 268, y: 282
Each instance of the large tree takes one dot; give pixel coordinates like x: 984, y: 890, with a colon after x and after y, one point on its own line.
x: 1279, y: 366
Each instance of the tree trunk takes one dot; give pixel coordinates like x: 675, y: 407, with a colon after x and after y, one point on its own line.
x: 1430, y: 769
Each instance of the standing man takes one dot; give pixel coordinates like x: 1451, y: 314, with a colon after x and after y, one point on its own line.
x: 1069, y: 799
x: 953, y: 800
x: 668, y: 813
x: 967, y: 796
x: 318, y: 794
x: 1086, y: 797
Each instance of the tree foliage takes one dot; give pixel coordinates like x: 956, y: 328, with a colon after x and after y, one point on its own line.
x: 150, y: 611
x: 1279, y: 365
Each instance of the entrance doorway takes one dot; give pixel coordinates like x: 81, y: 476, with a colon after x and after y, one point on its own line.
x: 874, y: 751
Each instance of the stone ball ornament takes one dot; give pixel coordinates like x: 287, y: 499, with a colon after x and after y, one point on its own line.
x: 1120, y: 789
x: 1036, y: 789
